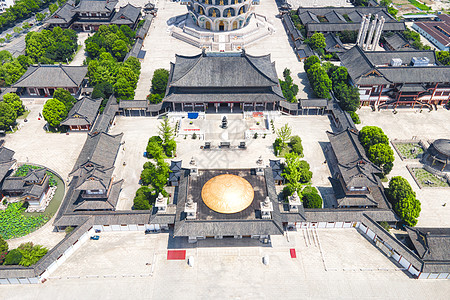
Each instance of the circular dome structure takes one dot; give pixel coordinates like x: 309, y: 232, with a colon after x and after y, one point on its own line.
x: 227, y: 194
x: 442, y: 146
x: 220, y: 15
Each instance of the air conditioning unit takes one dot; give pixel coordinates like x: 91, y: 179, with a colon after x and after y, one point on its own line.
x: 396, y: 62
x: 420, y: 61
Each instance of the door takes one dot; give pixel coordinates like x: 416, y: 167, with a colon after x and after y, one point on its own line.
x: 221, y: 26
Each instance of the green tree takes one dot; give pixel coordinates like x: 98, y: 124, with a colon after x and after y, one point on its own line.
x: 408, y: 209
x: 8, y: 116
x: 296, y: 170
x: 32, y: 255
x: 123, y: 89
x: 14, y: 101
x: 17, y: 30
x: 13, y: 257
x: 288, y: 87
x: 311, y: 200
x: 166, y: 131
x: 372, y: 135
x: 155, y: 147
x: 159, y: 81
x: 3, y: 245
x: 340, y: 75
x: 128, y: 74
x: 399, y: 188
x: 8, y: 37
x: 296, y: 145
x: 443, y: 57
x: 65, y: 97
x: 311, y: 61
x: 40, y: 16
x: 320, y: 81
x: 380, y: 154
x: 141, y: 200
x: 318, y: 41
x: 156, y: 175
x: 53, y: 7
x: 54, y: 112
x: 348, y: 96
x: 120, y: 49
x: 155, y: 98
x: 284, y: 134
x: 26, y: 26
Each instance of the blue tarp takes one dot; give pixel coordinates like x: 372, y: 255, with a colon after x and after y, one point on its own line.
x: 192, y: 115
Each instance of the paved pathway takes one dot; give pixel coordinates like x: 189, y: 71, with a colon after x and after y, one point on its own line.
x: 404, y: 125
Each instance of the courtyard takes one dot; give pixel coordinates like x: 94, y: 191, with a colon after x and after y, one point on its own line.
x: 134, y: 265
x: 161, y: 47
x: 408, y: 124
x: 137, y: 131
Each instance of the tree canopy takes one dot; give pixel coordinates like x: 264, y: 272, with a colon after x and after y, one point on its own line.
x: 65, y: 97
x: 112, y: 39
x: 288, y: 88
x: 372, y: 135
x: 296, y: 171
x: 142, y: 199
x: 311, y: 200
x: 8, y: 116
x: 403, y: 200
x: 319, y: 80
x: 156, y: 175
x: 54, y: 112
x: 48, y: 46
x: 20, y: 10
x: 311, y: 61
x: 318, y: 41
x: 159, y: 81
x: 122, y: 76
x: 14, y: 101
x: 380, y: 154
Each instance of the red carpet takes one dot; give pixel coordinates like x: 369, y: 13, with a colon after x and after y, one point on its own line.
x: 293, y: 253
x: 176, y: 254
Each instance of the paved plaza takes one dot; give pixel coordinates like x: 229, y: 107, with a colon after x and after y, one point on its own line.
x: 33, y: 144
x: 425, y: 125
x: 161, y: 47
x: 134, y: 265
x: 137, y: 131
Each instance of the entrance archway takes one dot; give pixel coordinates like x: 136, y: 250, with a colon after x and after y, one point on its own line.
x: 208, y: 25
x: 221, y: 26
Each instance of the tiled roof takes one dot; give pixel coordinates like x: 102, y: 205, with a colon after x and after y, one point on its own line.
x: 57, y: 76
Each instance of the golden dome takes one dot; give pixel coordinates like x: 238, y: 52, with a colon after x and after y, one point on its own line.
x: 227, y: 194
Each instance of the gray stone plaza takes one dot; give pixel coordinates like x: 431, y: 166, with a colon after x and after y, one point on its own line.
x: 279, y: 249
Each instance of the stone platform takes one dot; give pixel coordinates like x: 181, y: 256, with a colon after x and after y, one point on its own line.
x: 184, y: 29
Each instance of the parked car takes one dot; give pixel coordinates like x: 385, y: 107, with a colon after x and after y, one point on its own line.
x: 95, y: 237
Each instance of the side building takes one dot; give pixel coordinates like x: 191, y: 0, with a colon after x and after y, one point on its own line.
x: 43, y: 80
x: 393, y: 78
x: 338, y: 19
x: 83, y: 114
x: 437, y: 32
x: 88, y: 15
x: 355, y: 181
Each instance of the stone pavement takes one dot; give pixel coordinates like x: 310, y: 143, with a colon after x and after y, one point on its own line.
x: 134, y: 265
x: 53, y: 150
x: 81, y: 55
x: 160, y: 46
x: 280, y: 50
x: 406, y: 124
x: 137, y: 131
